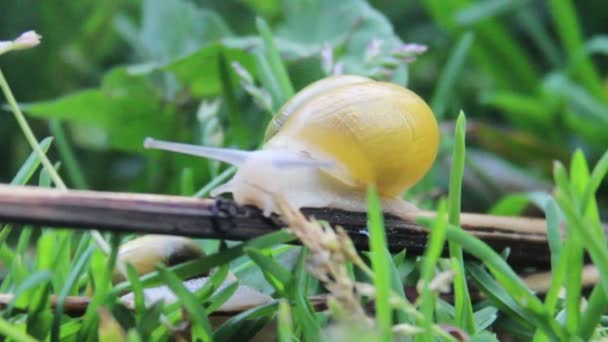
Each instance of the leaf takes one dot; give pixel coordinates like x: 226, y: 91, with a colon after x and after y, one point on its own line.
x: 516, y: 204
x: 171, y: 30
x: 200, y: 71
x: 243, y: 326
x: 126, y: 107
x: 310, y: 24
x: 275, y: 274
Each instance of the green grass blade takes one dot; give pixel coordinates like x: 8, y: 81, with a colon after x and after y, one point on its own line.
x: 378, y: 255
x: 276, y: 274
x: 557, y: 279
x: 137, y: 289
x: 532, y: 23
x: 285, y: 325
x: 201, y: 327
x: 68, y: 157
x: 595, y: 180
x: 268, y: 81
x: 77, y: 270
x: 232, y: 327
x: 10, y: 331
x: 498, y: 295
x: 206, y: 263
x: 218, y: 299
x: 274, y: 58
x: 450, y: 74
x: 485, y: 10
x: 236, y: 129
x: 579, y: 172
x: 553, y: 232
x: 462, y: 299
x: 587, y: 235
x: 27, y: 169
x: 433, y: 252
x: 24, y: 288
x: 508, y: 278
x: 569, y: 30
x: 596, y: 308
x: 304, y: 315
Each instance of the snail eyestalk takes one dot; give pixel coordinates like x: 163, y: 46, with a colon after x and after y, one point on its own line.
x: 230, y: 156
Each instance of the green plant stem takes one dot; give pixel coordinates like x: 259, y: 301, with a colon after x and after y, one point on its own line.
x: 29, y: 135
x: 48, y: 166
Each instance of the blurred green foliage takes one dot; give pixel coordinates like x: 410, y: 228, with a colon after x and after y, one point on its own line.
x: 529, y: 74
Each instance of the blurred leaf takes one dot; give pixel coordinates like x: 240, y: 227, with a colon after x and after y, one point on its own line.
x: 218, y: 299
x: 200, y: 71
x: 171, y: 30
x: 570, y: 32
x: 485, y: 317
x: 519, y: 146
x: 516, y: 204
x: 578, y: 97
x: 519, y: 106
x: 125, y: 106
x: 244, y: 325
x: 23, y: 292
x: 450, y: 75
x: 267, y: 7
x: 310, y: 24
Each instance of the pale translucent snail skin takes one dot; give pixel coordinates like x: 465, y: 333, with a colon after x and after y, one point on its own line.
x: 328, y: 143
x: 145, y: 252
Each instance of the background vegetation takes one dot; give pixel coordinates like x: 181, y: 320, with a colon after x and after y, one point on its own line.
x: 530, y: 76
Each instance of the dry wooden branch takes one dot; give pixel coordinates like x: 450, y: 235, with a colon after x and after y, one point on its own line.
x: 208, y: 218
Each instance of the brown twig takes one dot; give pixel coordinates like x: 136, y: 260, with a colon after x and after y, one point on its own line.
x: 208, y: 218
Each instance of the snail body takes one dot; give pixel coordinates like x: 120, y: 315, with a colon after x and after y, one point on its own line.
x: 328, y: 143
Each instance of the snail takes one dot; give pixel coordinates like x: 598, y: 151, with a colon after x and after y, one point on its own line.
x: 328, y: 143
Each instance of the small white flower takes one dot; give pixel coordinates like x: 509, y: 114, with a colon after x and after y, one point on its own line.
x: 26, y: 40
